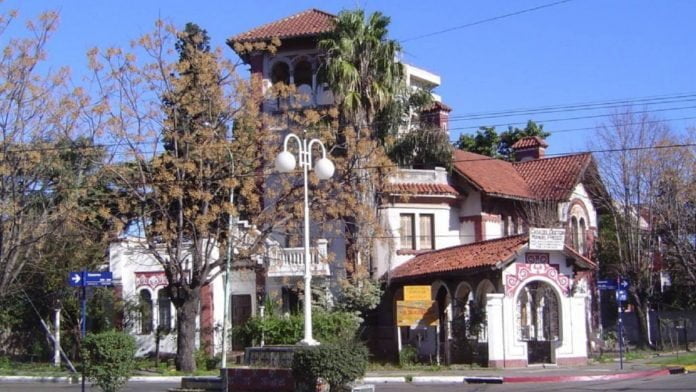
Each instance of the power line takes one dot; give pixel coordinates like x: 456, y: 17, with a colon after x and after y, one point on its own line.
x: 491, y: 19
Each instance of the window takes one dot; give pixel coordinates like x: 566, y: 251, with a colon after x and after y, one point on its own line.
x: 280, y: 73
x: 581, y: 236
x: 165, y: 310
x: 408, y: 231
x: 427, y: 231
x: 574, y: 232
x: 145, y: 312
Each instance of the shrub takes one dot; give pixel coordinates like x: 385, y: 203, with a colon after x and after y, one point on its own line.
x: 109, y: 359
x: 337, y: 363
x: 278, y: 329
x: 408, y: 356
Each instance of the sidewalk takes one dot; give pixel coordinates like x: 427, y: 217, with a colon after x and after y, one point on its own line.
x: 547, y: 373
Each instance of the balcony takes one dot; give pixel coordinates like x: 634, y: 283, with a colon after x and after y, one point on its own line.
x: 290, y: 261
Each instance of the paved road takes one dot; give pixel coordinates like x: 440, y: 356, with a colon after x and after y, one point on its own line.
x: 664, y: 383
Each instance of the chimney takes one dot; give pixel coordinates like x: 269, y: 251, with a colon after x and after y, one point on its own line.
x: 529, y: 148
x: 436, y: 114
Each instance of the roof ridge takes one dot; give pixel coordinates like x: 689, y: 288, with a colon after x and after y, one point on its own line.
x: 589, y: 154
x: 281, y: 20
x: 475, y: 243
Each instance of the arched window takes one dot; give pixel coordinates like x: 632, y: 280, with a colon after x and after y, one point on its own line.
x: 165, y: 310
x: 280, y: 73
x: 145, y: 306
x: 303, y: 73
x: 574, y: 232
x: 582, y: 231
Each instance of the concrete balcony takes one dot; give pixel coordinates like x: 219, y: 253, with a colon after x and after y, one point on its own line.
x: 290, y: 261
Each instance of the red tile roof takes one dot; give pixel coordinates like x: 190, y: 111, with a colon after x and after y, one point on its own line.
x: 437, y: 105
x: 529, y: 142
x: 554, y: 178
x: 421, y: 189
x: 307, y: 23
x: 493, y: 176
x: 461, y: 257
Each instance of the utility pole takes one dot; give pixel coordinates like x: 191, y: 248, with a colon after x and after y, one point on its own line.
x: 56, y: 336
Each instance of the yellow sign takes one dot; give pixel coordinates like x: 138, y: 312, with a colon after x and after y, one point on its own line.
x: 417, y: 293
x: 416, y: 313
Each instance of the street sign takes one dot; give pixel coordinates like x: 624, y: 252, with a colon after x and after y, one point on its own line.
x: 98, y: 278
x: 607, y: 284
x: 621, y: 295
x: 417, y: 293
x: 624, y: 284
x: 82, y: 279
x: 75, y: 279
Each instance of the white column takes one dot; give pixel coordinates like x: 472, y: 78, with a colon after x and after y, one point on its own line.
x: 56, y: 343
x: 494, y: 319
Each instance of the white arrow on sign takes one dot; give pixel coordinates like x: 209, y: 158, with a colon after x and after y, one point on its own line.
x: 624, y: 284
x: 76, y: 278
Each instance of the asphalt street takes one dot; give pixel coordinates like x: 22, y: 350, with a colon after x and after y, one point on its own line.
x: 685, y: 382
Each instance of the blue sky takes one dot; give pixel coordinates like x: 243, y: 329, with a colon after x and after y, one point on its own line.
x: 575, y: 52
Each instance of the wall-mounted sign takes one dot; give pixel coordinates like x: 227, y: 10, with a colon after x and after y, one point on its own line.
x: 416, y: 313
x: 546, y: 239
x: 417, y: 293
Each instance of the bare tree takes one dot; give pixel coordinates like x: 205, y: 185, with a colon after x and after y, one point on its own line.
x: 630, y: 172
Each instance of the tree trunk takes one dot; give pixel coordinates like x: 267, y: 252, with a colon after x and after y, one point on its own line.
x: 642, y: 322
x: 186, y: 331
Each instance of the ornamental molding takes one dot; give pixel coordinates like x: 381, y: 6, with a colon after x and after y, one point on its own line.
x: 526, y: 272
x: 150, y: 279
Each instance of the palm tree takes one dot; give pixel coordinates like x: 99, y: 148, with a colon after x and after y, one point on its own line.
x: 361, y: 67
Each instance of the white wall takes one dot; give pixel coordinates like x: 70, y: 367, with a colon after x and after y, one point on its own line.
x: 446, y: 231
x: 580, y: 193
x: 130, y: 256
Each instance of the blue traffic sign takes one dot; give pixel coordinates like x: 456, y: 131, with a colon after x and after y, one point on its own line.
x: 624, y: 284
x: 81, y: 279
x: 607, y: 284
x: 621, y: 295
x: 98, y: 278
x: 76, y: 279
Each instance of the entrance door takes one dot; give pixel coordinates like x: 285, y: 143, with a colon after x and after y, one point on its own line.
x: 241, y: 313
x: 538, y: 321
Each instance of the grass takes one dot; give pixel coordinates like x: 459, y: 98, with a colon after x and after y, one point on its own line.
x: 144, y: 367
x: 45, y: 369
x: 685, y: 359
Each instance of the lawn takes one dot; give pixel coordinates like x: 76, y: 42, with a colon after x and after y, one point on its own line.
x: 688, y: 360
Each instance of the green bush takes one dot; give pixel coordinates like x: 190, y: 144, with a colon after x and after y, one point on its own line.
x: 408, y: 356
x: 109, y: 359
x: 278, y: 329
x: 338, y: 363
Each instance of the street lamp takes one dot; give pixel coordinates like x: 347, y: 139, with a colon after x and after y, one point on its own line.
x: 324, y: 168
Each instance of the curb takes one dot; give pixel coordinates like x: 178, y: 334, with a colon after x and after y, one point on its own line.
x: 56, y: 380
x: 384, y: 380
x: 69, y: 380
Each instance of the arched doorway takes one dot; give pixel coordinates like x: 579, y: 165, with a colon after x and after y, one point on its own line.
x: 538, y: 320
x: 444, y: 308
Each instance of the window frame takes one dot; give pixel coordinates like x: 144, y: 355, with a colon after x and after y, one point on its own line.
x: 421, y: 236
x: 410, y: 236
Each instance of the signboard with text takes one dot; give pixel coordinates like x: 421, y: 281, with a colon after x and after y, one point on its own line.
x: 546, y: 239
x: 417, y: 293
x: 416, y: 313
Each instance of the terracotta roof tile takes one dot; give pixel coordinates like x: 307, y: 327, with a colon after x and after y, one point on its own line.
x: 421, y: 189
x: 529, y: 142
x: 307, y: 23
x: 553, y: 178
x: 437, y: 105
x: 492, y: 176
x: 461, y: 257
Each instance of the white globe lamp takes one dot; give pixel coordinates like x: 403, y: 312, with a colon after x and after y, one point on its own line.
x: 324, y: 169
x: 285, y: 162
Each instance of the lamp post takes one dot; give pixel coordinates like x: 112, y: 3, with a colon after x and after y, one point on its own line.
x: 324, y: 168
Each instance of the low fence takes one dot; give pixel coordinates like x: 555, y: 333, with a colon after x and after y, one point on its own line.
x: 668, y: 329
